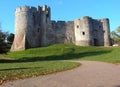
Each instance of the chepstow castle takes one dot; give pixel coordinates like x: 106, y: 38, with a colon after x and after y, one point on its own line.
x: 34, y: 28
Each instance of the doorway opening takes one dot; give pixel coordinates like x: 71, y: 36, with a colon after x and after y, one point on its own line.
x: 95, y: 42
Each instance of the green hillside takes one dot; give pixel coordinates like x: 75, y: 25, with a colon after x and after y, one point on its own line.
x: 45, y: 60
x: 68, y: 52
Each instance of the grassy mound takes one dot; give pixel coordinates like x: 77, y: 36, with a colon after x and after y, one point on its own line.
x: 67, y: 52
x: 45, y: 60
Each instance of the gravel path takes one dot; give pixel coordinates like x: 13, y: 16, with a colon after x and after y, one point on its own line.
x: 89, y: 74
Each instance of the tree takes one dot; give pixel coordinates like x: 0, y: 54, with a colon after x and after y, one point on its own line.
x: 118, y: 29
x: 115, y: 36
x: 10, y: 38
x: 3, y: 44
x: 6, y: 40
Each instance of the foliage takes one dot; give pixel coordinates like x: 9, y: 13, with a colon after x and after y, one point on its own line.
x: 3, y: 44
x: 6, y: 40
x: 115, y: 35
x: 118, y: 29
x: 10, y: 38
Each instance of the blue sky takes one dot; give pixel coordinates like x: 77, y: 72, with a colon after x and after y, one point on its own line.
x: 64, y: 10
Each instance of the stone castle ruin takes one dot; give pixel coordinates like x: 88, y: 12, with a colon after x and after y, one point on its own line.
x: 34, y: 28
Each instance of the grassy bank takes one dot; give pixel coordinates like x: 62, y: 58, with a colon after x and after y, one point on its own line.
x: 68, y: 52
x: 45, y: 60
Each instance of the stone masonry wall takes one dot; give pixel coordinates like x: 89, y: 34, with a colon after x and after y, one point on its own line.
x: 97, y: 33
x: 106, y: 29
x: 63, y: 32
x: 93, y: 32
x: 82, y: 31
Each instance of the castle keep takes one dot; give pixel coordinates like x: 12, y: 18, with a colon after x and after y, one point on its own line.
x: 34, y: 28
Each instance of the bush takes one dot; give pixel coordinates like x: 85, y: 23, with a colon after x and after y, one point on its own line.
x: 6, y: 40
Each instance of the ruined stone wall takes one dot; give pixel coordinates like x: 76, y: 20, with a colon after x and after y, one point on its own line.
x: 101, y: 35
x: 97, y: 33
x: 82, y: 31
x: 92, y: 32
x: 60, y: 31
x: 63, y: 32
x: 106, y: 28
x: 45, y: 25
x: 70, y: 33
x: 33, y: 29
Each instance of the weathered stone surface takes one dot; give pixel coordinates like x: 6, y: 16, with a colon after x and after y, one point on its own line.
x: 63, y: 32
x: 34, y: 28
x: 31, y: 25
x: 93, y: 32
x: 106, y: 29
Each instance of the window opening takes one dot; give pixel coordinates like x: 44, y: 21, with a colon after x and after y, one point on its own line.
x: 77, y: 26
x: 83, y: 33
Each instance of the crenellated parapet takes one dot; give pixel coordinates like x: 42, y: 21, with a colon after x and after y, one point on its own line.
x: 32, y: 9
x: 22, y: 9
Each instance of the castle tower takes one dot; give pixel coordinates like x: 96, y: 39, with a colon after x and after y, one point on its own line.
x: 106, y: 29
x: 82, y: 31
x: 45, y: 24
x: 30, y: 27
x: 21, y: 25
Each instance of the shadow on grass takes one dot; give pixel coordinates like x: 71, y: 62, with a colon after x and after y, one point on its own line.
x: 20, y: 68
x: 64, y: 56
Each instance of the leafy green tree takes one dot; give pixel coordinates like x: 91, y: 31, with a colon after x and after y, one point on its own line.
x: 3, y: 44
x: 118, y: 29
x: 115, y: 36
x: 10, y: 38
x: 6, y: 40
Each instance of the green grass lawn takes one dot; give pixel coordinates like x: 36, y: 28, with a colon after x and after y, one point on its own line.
x: 12, y: 71
x: 45, y: 60
x: 67, y: 52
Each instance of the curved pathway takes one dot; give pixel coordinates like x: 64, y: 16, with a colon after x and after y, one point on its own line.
x: 89, y: 74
